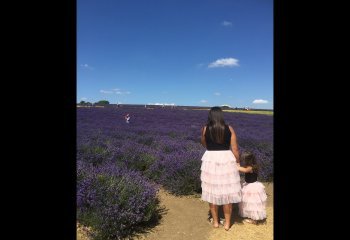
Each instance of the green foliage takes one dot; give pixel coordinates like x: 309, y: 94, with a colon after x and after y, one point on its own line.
x: 173, y: 134
x: 118, y: 203
x: 102, y: 102
x: 140, y: 161
x: 94, y: 154
x: 146, y: 140
x: 83, y: 103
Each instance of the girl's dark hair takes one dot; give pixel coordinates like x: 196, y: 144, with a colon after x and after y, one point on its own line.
x: 249, y: 159
x: 216, y: 124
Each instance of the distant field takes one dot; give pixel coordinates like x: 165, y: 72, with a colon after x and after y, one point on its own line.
x: 251, y: 111
x: 121, y: 166
x: 270, y: 113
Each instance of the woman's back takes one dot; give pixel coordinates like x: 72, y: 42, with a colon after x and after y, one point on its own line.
x: 214, y: 146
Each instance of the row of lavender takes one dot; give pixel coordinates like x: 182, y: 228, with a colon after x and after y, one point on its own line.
x: 121, y: 165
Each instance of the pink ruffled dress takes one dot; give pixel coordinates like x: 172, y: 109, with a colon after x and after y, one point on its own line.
x: 254, y: 197
x: 219, y: 173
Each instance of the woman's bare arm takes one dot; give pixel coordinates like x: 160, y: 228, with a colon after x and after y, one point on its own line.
x: 234, y: 145
x: 203, y: 136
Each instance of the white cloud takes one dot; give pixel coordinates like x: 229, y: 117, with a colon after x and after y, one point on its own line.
x: 224, y: 62
x: 122, y: 93
x: 165, y: 104
x: 115, y: 89
x: 217, y: 94
x: 203, y: 101
x: 260, y: 101
x: 83, y: 98
x: 226, y: 23
x: 86, y: 66
x: 104, y: 91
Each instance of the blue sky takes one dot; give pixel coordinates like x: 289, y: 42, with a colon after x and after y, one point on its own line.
x: 182, y: 52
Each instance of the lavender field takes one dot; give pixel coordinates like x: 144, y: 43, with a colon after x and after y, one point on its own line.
x: 120, y: 166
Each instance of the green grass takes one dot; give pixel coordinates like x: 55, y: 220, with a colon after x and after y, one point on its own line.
x: 270, y: 113
x: 251, y: 112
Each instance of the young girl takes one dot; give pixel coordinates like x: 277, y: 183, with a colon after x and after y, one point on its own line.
x: 253, y: 204
x: 127, y: 118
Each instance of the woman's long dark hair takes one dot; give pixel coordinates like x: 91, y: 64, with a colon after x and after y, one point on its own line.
x: 249, y: 159
x: 216, y: 124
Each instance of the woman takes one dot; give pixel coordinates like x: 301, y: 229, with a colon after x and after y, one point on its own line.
x: 219, y: 172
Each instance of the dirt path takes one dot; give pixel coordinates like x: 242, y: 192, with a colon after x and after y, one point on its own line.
x: 186, y: 219
x: 243, y: 231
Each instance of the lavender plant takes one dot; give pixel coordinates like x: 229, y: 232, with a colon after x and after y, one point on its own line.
x: 114, y: 201
x: 119, y: 163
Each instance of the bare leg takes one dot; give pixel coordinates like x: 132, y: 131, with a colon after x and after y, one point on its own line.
x: 227, y: 212
x: 214, y: 214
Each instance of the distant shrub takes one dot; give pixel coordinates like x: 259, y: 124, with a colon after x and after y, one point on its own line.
x: 102, y: 102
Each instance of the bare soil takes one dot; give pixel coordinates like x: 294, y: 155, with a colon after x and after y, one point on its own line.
x: 186, y: 218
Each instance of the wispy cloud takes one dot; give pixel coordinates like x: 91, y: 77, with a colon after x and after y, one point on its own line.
x: 217, y: 94
x: 260, y: 101
x: 161, y: 104
x: 83, y: 98
x: 226, y: 23
x: 224, y: 62
x: 122, y: 93
x: 203, y: 101
x: 225, y: 105
x: 86, y: 66
x: 199, y: 65
x: 118, y: 91
x: 106, y: 92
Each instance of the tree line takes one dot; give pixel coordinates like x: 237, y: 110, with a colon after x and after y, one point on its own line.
x: 101, y: 102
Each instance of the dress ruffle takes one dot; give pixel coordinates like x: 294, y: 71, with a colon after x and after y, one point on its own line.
x: 253, y: 203
x: 220, y: 178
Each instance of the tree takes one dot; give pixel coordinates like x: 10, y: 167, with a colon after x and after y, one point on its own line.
x: 83, y: 103
x: 102, y: 102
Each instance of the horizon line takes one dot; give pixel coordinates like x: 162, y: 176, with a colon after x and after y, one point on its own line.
x: 169, y: 105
